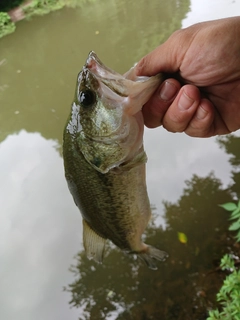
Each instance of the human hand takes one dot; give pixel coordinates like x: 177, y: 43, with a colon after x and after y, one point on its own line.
x: 202, y: 96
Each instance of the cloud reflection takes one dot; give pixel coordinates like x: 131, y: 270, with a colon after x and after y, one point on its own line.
x: 209, y: 10
x: 174, y: 158
x: 39, y: 231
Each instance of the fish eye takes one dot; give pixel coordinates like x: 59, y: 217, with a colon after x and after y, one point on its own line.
x: 87, y: 98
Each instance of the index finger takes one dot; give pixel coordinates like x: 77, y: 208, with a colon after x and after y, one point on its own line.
x: 165, y: 58
x: 154, y: 110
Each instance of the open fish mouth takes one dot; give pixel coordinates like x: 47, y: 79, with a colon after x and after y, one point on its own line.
x: 95, y: 65
x: 128, y: 90
x: 95, y: 74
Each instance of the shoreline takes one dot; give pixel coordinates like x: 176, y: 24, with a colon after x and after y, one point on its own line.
x: 16, y: 14
x: 27, y: 9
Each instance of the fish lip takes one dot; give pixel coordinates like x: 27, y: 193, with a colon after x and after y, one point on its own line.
x: 90, y: 72
x: 93, y: 57
x: 94, y: 64
x: 94, y: 74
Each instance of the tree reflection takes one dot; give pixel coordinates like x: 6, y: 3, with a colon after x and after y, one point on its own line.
x: 185, y: 285
x: 231, y: 145
x: 37, y: 88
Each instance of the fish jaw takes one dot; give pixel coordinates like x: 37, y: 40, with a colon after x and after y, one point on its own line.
x: 135, y: 91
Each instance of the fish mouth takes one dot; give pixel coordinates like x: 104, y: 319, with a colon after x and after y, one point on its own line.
x: 109, y: 87
x: 95, y: 65
x: 95, y: 72
x: 99, y: 79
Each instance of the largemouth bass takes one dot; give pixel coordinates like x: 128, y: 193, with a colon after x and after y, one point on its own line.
x: 105, y: 161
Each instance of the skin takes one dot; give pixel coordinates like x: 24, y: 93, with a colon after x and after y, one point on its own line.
x: 201, y: 96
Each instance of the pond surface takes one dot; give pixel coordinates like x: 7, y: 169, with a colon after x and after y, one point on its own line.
x: 40, y: 229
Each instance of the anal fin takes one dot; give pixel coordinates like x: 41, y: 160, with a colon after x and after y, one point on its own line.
x: 93, y: 244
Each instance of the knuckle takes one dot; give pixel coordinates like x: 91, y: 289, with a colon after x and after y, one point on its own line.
x: 141, y: 66
x: 198, y: 129
x: 174, y: 127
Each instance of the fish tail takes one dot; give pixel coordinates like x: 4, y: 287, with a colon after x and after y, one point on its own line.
x: 149, y: 254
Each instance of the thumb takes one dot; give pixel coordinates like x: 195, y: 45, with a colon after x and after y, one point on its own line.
x: 165, y: 58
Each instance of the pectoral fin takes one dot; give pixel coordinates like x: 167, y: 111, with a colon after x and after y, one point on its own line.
x: 93, y: 243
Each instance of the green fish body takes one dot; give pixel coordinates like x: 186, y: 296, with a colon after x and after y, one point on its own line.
x: 104, y: 159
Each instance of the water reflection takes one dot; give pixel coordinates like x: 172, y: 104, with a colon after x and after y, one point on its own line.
x: 174, y: 158
x: 209, y: 10
x: 230, y: 144
x: 39, y: 81
x: 36, y: 246
x: 190, y: 269
x: 40, y: 229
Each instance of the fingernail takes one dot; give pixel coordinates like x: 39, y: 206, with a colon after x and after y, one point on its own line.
x: 201, y: 113
x: 168, y: 91
x: 185, y: 102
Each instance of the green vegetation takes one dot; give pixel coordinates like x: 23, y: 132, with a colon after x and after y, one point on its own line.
x: 229, y: 294
x: 6, y: 5
x: 34, y: 7
x: 38, y: 7
x: 235, y: 215
x: 6, y: 25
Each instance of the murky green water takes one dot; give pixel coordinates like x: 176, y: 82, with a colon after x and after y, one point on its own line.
x: 40, y: 229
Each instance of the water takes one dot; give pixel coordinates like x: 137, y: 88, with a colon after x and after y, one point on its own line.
x: 40, y: 229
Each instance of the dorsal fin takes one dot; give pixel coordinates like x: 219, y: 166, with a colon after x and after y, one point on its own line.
x: 93, y: 243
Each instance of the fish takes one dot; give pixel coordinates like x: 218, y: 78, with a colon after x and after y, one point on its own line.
x: 105, y: 161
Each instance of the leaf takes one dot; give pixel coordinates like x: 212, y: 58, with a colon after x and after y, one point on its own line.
x: 238, y: 236
x: 214, y: 315
x: 227, y: 262
x: 229, y: 206
x: 235, y: 225
x: 182, y: 237
x: 235, y: 214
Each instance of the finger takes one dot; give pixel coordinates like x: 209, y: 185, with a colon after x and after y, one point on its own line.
x: 206, y: 122
x: 182, y: 109
x: 155, y: 109
x: 165, y: 58
x: 202, y: 123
